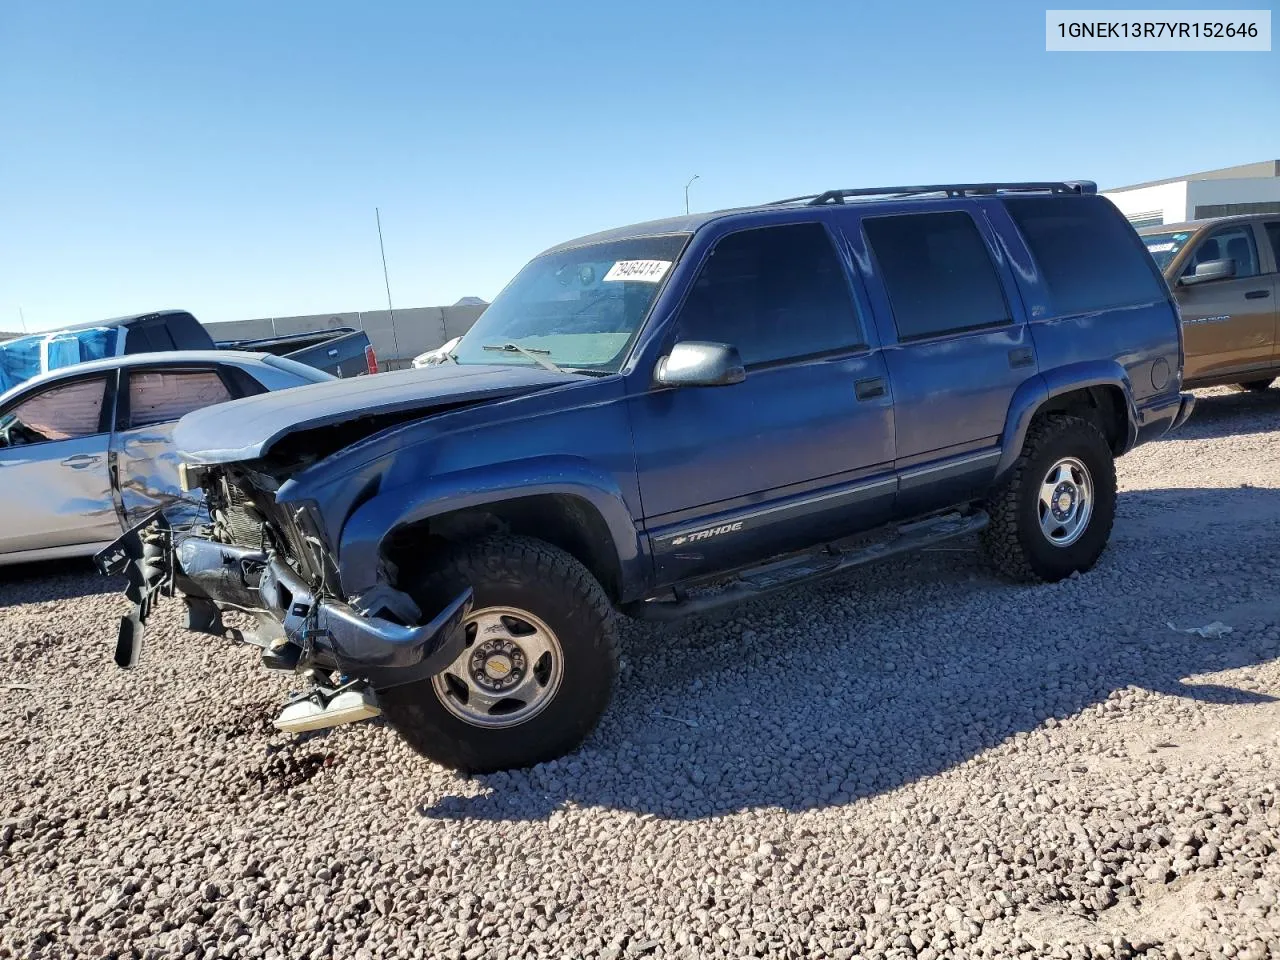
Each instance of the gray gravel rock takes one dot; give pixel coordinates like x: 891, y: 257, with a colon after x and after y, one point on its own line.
x: 915, y: 760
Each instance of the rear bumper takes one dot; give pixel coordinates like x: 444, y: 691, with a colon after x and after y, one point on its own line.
x: 1157, y: 418
x: 1188, y: 403
x: 328, y: 632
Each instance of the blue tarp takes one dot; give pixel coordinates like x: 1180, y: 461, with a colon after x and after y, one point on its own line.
x: 21, y: 359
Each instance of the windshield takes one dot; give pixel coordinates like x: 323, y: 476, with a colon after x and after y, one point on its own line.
x: 578, y: 309
x: 1163, y: 247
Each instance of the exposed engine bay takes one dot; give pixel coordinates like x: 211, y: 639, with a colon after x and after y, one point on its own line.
x: 256, y: 557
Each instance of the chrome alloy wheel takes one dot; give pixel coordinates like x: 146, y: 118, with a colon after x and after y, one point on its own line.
x: 508, y: 673
x: 1065, y: 502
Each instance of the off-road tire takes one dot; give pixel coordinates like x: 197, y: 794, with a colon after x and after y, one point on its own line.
x: 1253, y: 386
x: 530, y: 575
x: 1013, y: 542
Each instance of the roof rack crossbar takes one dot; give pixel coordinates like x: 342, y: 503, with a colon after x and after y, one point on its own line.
x: 953, y: 190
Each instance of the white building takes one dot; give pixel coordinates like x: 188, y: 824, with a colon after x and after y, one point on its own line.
x: 1248, y: 188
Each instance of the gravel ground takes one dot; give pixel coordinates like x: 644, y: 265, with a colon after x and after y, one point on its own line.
x: 915, y: 760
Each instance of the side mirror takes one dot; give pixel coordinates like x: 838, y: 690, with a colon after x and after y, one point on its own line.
x: 1210, y: 270
x: 695, y: 363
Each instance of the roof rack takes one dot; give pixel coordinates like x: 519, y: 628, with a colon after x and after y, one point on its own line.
x: 951, y: 190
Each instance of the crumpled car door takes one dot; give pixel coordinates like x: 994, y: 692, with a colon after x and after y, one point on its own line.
x: 145, y: 457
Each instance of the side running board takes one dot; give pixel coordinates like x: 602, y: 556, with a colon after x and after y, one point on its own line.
x: 834, y: 558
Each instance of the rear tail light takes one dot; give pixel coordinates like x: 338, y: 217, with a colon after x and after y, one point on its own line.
x: 370, y: 359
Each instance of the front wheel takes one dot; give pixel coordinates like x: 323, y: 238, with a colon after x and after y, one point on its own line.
x: 538, y: 668
x: 1052, y: 516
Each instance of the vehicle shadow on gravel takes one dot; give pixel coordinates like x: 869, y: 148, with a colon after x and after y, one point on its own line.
x: 1220, y: 414
x: 52, y: 580
x: 859, y: 685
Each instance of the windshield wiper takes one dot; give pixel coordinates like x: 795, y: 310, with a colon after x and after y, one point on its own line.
x: 524, y: 351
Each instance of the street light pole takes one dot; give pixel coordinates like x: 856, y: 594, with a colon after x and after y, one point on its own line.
x: 686, y: 193
x: 395, y: 337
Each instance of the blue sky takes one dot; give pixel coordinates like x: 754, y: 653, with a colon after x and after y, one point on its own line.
x: 227, y: 157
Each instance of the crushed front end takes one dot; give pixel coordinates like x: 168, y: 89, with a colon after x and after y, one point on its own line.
x: 271, y: 562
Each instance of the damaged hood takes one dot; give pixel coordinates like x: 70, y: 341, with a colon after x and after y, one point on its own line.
x: 247, y: 429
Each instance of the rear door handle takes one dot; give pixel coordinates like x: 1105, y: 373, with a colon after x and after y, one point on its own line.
x: 869, y: 389
x: 81, y: 460
x: 1257, y: 294
x: 1022, y: 357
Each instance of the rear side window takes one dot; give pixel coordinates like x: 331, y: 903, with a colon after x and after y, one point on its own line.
x: 158, y: 396
x: 186, y: 332
x: 137, y: 341
x: 148, y: 338
x: 1273, y: 234
x: 1086, y: 252
x: 160, y: 337
x: 775, y: 293
x: 938, y: 273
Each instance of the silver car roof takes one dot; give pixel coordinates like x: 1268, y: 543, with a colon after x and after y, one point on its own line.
x: 159, y: 357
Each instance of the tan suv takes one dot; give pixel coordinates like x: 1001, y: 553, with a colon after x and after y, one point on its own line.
x: 1223, y: 274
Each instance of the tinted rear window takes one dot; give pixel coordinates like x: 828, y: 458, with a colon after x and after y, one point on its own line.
x: 938, y: 273
x: 187, y: 333
x: 160, y: 337
x: 1087, y: 252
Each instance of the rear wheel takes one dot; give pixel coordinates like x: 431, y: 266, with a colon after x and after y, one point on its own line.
x: 1052, y: 516
x: 538, y: 668
x: 1253, y: 386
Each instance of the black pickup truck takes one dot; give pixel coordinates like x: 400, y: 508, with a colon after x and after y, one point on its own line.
x: 341, y: 351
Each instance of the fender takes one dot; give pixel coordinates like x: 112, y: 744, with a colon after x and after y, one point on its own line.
x: 1035, y: 392
x: 360, y: 543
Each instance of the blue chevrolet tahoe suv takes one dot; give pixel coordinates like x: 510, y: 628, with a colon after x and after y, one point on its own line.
x: 662, y: 419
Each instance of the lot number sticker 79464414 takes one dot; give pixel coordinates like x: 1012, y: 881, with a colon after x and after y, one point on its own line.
x: 638, y: 271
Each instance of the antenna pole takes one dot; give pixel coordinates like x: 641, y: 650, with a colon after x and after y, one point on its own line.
x: 23, y: 317
x: 387, y: 280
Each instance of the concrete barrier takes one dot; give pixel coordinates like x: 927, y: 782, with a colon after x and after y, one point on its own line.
x: 415, y: 330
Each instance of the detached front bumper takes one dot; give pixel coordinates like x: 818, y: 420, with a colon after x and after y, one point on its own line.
x: 327, y: 632
x: 385, y: 653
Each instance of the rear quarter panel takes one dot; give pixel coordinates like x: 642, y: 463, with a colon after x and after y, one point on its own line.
x: 1136, y: 347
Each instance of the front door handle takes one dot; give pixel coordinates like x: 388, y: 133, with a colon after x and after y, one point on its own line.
x: 1257, y: 294
x: 1022, y: 357
x: 81, y: 460
x: 869, y: 389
